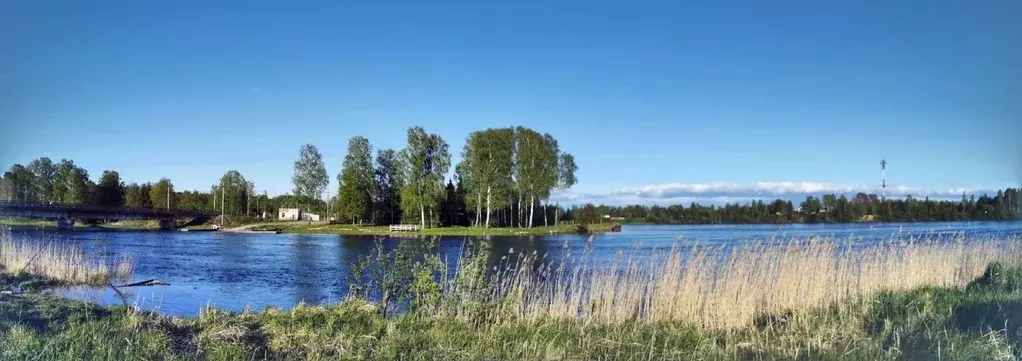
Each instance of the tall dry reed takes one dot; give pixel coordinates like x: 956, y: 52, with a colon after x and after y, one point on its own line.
x: 59, y: 262
x: 719, y: 287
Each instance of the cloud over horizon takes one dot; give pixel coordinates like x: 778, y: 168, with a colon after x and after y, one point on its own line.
x: 720, y: 193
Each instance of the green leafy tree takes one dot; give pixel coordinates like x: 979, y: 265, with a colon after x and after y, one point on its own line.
x: 310, y: 178
x: 811, y: 208
x: 426, y: 160
x: 549, y: 173
x: 193, y: 200
x: 535, y: 167
x: 162, y: 195
x: 587, y: 214
x: 829, y: 205
x: 78, y: 188
x: 6, y: 189
x: 469, y: 182
x: 137, y: 196
x: 71, y: 184
x: 357, y: 181
x: 45, y: 174
x: 489, y: 159
x: 20, y: 184
x: 110, y: 190
x: 232, y: 193
x: 60, y: 187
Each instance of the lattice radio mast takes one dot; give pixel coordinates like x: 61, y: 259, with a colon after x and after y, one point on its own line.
x: 883, y: 178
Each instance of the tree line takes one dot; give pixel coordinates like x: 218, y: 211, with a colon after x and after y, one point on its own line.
x: 505, y: 178
x: 829, y: 208
x: 505, y: 175
x: 42, y: 180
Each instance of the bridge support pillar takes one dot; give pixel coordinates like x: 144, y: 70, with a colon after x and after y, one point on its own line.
x: 167, y: 224
x: 65, y: 224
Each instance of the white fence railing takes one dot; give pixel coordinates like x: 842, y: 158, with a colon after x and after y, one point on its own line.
x: 404, y: 228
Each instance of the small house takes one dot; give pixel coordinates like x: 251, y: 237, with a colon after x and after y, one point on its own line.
x: 289, y: 214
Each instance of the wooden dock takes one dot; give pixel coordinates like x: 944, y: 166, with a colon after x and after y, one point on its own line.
x: 404, y: 228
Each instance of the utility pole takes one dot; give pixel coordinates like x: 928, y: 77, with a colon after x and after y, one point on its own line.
x: 328, y: 204
x: 168, y: 195
x: 222, y: 212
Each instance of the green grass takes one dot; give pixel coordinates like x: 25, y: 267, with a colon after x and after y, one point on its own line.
x: 348, y: 229
x: 27, y: 222
x: 48, y: 224
x: 981, y: 322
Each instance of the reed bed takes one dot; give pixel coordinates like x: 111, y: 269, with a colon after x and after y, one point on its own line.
x: 727, y: 287
x: 59, y: 262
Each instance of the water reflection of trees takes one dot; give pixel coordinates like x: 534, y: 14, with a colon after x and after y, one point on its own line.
x: 500, y: 252
x: 351, y: 249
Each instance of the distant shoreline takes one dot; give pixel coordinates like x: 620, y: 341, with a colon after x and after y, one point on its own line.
x: 340, y: 229
x: 356, y: 230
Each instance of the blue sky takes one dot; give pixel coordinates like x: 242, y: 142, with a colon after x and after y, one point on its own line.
x: 659, y: 101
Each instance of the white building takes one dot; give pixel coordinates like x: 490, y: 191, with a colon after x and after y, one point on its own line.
x: 309, y: 217
x: 289, y: 214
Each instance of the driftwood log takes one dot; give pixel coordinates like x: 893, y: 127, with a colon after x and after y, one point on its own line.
x: 144, y: 283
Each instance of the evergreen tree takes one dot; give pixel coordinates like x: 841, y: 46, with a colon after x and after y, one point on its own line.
x: 388, y: 186
x: 356, y: 181
x: 110, y: 190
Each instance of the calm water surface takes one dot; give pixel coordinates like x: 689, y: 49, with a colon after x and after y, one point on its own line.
x: 234, y: 271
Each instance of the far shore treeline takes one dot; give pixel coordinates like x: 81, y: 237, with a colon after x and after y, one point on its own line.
x: 829, y: 208
x: 505, y: 178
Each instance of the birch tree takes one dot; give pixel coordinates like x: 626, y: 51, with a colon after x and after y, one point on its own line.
x: 566, y: 169
x: 426, y: 160
x: 489, y: 157
x: 310, y: 178
x: 528, y: 167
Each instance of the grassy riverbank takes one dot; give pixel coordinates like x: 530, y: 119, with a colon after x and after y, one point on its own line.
x: 979, y: 323
x: 348, y: 229
x: 807, y: 299
x: 30, y: 223
x: 56, y: 263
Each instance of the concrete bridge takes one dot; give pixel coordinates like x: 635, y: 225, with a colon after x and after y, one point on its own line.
x: 66, y: 214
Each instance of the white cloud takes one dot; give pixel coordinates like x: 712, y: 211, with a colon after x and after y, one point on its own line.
x: 719, y: 193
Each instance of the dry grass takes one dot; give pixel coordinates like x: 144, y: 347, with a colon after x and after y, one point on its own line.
x: 717, y: 288
x: 59, y: 262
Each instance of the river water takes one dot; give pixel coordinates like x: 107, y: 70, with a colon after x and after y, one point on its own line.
x: 236, y: 271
